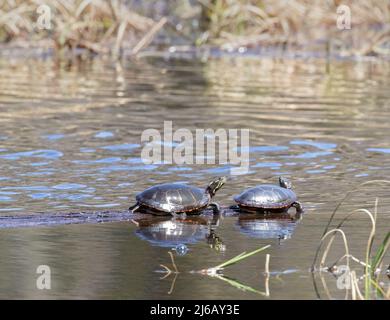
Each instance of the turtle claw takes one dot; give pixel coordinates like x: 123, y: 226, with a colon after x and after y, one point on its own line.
x: 216, y: 207
x: 298, y: 206
x: 134, y: 208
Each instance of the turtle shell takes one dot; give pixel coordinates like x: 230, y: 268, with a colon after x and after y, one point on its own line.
x: 266, y: 197
x: 173, y: 198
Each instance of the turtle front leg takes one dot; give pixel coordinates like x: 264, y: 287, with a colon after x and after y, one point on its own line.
x: 215, y: 206
x: 298, y: 206
x: 134, y: 208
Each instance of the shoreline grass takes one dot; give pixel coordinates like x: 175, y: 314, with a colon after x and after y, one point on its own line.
x: 113, y: 27
x: 300, y: 23
x: 100, y: 27
x: 372, y: 262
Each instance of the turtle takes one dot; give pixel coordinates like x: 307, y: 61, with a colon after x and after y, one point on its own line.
x: 269, y: 198
x: 176, y: 198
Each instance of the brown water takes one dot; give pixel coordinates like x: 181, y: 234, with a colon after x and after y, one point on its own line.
x: 70, y: 140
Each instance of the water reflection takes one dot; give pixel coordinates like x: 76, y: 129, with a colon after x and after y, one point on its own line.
x: 173, y: 232
x: 278, y: 226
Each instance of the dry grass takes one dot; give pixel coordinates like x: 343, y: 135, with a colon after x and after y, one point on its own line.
x: 236, y: 23
x: 363, y: 274
x: 110, y: 26
x: 99, y: 26
x: 369, y: 284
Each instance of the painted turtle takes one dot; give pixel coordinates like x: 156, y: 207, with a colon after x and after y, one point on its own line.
x: 174, y: 198
x: 269, y: 198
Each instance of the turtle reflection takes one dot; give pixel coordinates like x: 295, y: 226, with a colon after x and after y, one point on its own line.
x: 172, y: 232
x: 267, y: 226
x: 214, y: 241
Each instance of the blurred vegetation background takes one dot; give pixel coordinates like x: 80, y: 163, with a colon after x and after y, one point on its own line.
x: 116, y: 27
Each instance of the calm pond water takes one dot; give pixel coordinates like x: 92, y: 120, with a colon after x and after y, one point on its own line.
x: 70, y: 141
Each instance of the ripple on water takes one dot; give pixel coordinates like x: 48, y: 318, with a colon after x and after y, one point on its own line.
x: 362, y: 175
x: 38, y: 196
x: 121, y: 147
x: 329, y: 167
x: 28, y: 188
x: 134, y: 160
x: 6, y: 198
x: 104, y: 160
x: 324, y: 149
x: 118, y: 168
x: 104, y: 135
x: 178, y: 169
x: 38, y: 164
x: 53, y: 137
x: 311, y: 155
x: 263, y: 149
x: 317, y: 144
x: 271, y: 165
x: 37, y: 174
x: 69, y: 186
x: 71, y: 196
x: 46, y: 154
x: 125, y: 184
x: 87, y: 150
x: 379, y: 150
x: 103, y: 205
x: 316, y: 171
x: 8, y: 192
x: 11, y: 209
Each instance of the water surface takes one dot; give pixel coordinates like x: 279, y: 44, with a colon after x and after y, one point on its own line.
x: 70, y: 141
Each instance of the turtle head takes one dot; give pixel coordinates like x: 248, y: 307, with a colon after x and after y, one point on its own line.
x: 285, y: 183
x: 215, y: 185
